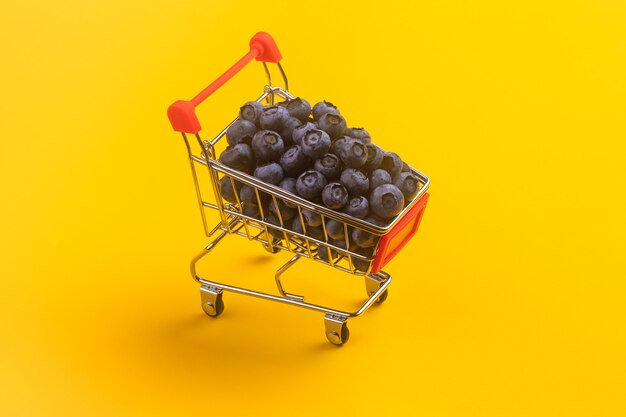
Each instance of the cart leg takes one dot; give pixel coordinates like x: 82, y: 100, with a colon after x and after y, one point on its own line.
x: 211, y: 299
x: 337, y: 331
x: 279, y: 284
x: 374, y: 282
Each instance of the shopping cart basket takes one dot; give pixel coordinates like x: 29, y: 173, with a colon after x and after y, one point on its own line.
x: 278, y: 236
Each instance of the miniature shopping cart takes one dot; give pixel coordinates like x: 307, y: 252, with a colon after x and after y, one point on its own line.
x: 279, y: 237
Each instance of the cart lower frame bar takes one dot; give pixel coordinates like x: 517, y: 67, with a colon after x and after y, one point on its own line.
x: 380, y: 280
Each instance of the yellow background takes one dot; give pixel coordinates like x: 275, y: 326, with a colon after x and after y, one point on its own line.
x: 510, y: 301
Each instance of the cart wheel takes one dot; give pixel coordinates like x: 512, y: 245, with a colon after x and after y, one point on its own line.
x: 271, y: 249
x: 337, y: 331
x: 383, y: 297
x: 215, y: 307
x: 339, y: 338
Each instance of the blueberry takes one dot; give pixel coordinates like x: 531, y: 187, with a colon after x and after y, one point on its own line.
x: 251, y: 210
x: 334, y: 196
x: 267, y: 145
x: 355, y: 181
x: 329, y: 165
x: 286, y: 213
x: 335, y: 229
x: 386, y: 201
x: 360, y: 264
x: 226, y: 188
x: 271, y: 173
x: 353, y: 153
x: 247, y: 194
x: 379, y: 177
x: 294, y: 161
x: 273, y: 220
x: 357, y: 207
x: 287, y: 131
x: 391, y: 163
x: 274, y: 118
x: 322, y: 108
x: 358, y: 133
x: 315, y: 143
x: 374, y: 158
x: 314, y: 232
x: 300, y: 130
x: 238, y: 157
x: 408, y: 184
x: 310, y: 184
x: 299, y: 108
x: 333, y: 124
x: 338, y: 144
x: 240, y: 131
x: 365, y: 239
x: 323, y: 251
x: 311, y: 218
x: 288, y: 184
x: 251, y: 111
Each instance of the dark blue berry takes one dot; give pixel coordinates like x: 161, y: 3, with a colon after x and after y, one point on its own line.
x: 274, y: 118
x: 310, y: 184
x: 360, y: 264
x: 294, y: 161
x: 379, y: 177
x: 355, y: 181
x: 353, y: 153
x: 329, y: 165
x: 333, y: 124
x: 315, y: 143
x: 311, y: 218
x: 314, y: 232
x: 322, y: 108
x: 271, y: 173
x: 240, y: 131
x: 386, y: 201
x: 286, y: 213
x: 408, y: 184
x: 267, y: 145
x: 299, y: 108
x: 251, y: 111
x: 288, y: 184
x: 247, y: 194
x: 227, y: 190
x: 251, y: 210
x: 300, y: 130
x: 322, y: 251
x: 238, y: 157
x: 287, y: 131
x: 365, y: 239
x: 358, y: 133
x: 357, y: 207
x: 273, y: 220
x: 334, y: 195
x: 374, y: 158
x: 391, y: 163
x: 335, y: 229
x: 337, y: 145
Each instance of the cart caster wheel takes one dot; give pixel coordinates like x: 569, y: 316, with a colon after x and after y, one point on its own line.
x: 271, y: 249
x: 383, y: 297
x: 337, y: 331
x: 212, y: 302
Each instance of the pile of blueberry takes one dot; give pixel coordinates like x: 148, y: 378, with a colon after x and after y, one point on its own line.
x: 310, y: 152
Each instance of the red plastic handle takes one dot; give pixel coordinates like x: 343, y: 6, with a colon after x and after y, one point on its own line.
x: 391, y: 243
x: 182, y: 113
